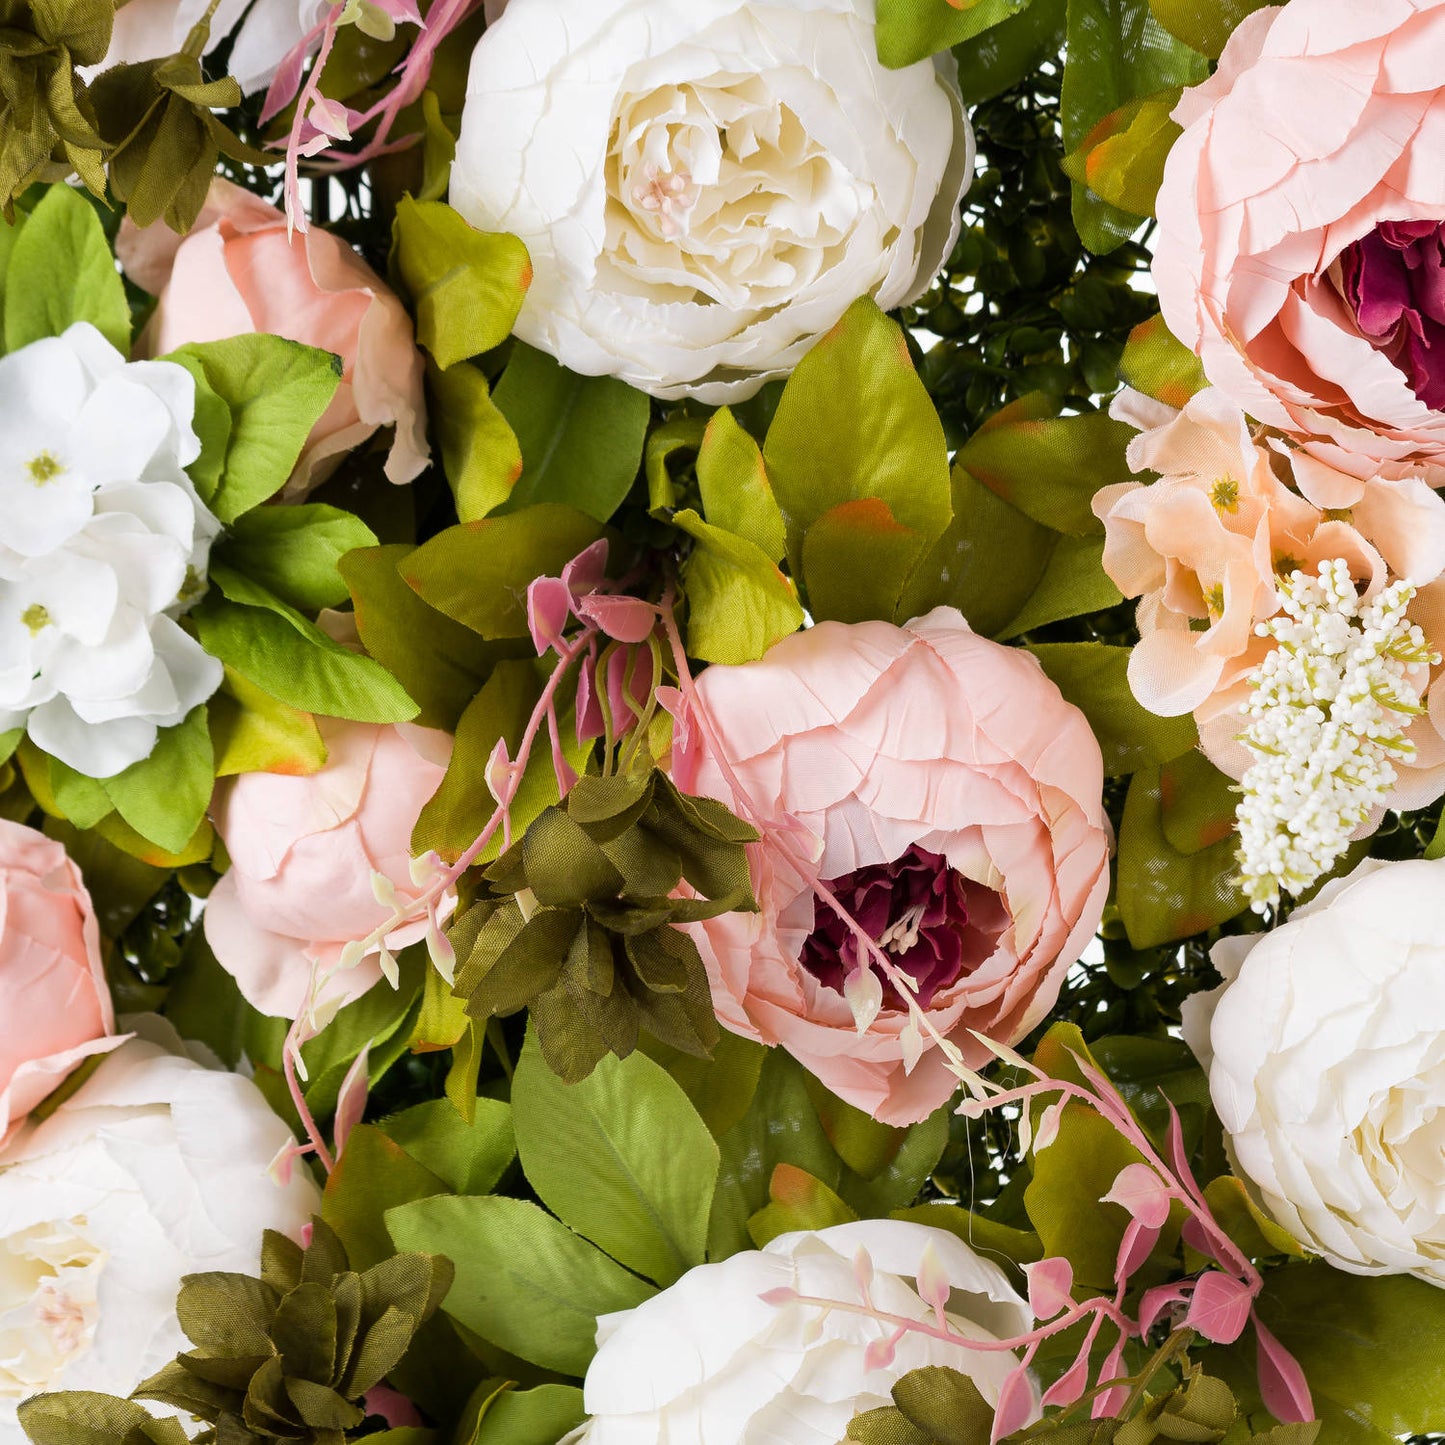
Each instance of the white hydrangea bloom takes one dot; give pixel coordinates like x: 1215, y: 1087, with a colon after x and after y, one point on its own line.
x: 104, y: 545
x: 1329, y: 709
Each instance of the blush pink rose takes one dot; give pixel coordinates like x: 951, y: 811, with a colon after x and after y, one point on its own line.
x: 238, y: 271
x: 951, y: 798
x: 54, y: 1002
x: 303, y: 851
x: 1299, y: 246
x: 1201, y: 548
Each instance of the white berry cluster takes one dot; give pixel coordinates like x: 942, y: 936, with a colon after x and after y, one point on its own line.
x: 104, y: 544
x: 1328, y: 712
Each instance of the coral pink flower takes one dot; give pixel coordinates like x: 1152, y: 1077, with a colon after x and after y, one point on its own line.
x: 951, y: 799
x: 1299, y: 246
x: 1202, y: 546
x: 238, y: 272
x: 53, y: 996
x: 303, y: 851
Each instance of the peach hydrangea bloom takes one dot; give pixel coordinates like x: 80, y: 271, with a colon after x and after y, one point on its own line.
x: 1234, y: 509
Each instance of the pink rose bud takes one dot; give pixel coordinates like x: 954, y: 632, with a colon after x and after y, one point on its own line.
x: 238, y: 272
x: 53, y: 996
x: 303, y: 855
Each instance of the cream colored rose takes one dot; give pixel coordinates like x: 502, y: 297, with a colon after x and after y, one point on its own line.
x: 706, y: 185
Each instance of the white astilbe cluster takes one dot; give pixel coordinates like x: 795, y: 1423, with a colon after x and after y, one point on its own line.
x: 1329, y: 710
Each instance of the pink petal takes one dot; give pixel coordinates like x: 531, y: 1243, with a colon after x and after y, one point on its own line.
x: 1219, y: 1307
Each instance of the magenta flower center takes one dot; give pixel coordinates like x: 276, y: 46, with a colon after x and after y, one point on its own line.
x: 1394, y: 280
x: 936, y: 925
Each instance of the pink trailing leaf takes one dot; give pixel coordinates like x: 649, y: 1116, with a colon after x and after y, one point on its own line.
x: 1179, y: 1155
x: 624, y: 619
x: 392, y: 1406
x: 1197, y: 1236
x: 933, y: 1284
x: 1143, y: 1193
x: 1015, y: 1406
x: 404, y: 12
x: 499, y: 770
x: 1135, y: 1247
x: 879, y: 1354
x: 1219, y: 1307
x: 590, y: 724
x: 863, y: 1273
x: 1051, y: 1283
x: 1075, y: 1380
x: 864, y: 995
x: 287, y: 80
x: 620, y: 688
x: 351, y: 1100
x: 562, y: 770
x: 1155, y: 1301
x: 587, y: 571
x: 549, y: 606
x: 1048, y: 1129
x: 1108, y: 1403
x: 1282, y: 1383
x: 783, y: 1295
x: 307, y: 1230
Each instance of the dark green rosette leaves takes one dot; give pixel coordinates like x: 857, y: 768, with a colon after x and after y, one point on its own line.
x: 289, y: 1356
x: 157, y: 116
x: 939, y: 1406
x: 578, y: 920
x: 47, y: 127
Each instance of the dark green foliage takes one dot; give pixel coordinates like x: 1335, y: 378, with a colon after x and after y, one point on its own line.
x: 577, y: 924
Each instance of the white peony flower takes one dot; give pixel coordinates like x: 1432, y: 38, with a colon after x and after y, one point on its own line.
x: 105, y: 543
x: 710, y: 1360
x: 1326, y: 1057
x: 154, y: 1169
x: 706, y: 185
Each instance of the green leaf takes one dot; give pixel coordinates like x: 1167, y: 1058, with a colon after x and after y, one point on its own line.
x: 467, y: 285
x: 480, y: 453
x: 1203, y: 25
x: 1003, y: 55
x: 681, y: 434
x: 796, y: 1200
x: 621, y: 1157
x: 1073, y: 583
x: 736, y: 493
x: 1093, y: 676
x: 721, y: 1088
x: 1373, y: 1350
x: 738, y: 602
x: 468, y: 1157
x: 539, y: 1416
x: 1121, y: 160
x: 82, y: 800
x: 988, y: 562
x: 253, y: 732
x: 441, y: 664
x: 294, y: 661
x: 164, y: 797
x: 478, y: 573
x: 912, y: 30
x: 855, y: 424
x: 296, y: 551
x: 524, y: 1281
x: 1197, y: 803
x: 1164, y: 894
x: 1000, y: 1242
x: 61, y: 271
x: 463, y: 804
x: 780, y: 1127
x: 1116, y: 52
x: 276, y: 391
x: 856, y: 559
x: 373, y: 1175
x: 1049, y: 467
x: 85, y: 1417
x: 581, y: 436
x: 1156, y: 364
x: 1246, y: 1223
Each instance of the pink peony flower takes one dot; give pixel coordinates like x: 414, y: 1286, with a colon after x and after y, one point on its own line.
x: 1299, y: 241
x: 238, y: 272
x: 53, y: 996
x: 950, y: 798
x: 303, y: 851
x: 1202, y: 546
